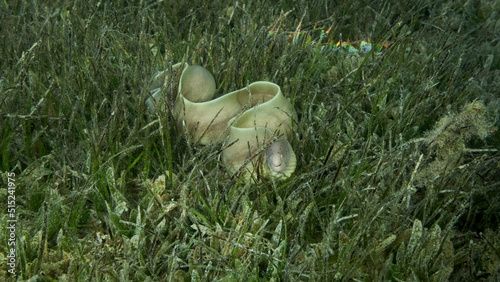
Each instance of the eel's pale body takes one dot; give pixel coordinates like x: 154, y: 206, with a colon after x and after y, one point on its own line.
x: 255, y: 122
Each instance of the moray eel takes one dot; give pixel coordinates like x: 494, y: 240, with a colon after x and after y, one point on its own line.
x: 253, y: 124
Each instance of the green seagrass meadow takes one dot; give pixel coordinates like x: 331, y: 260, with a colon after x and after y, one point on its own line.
x: 398, y: 168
